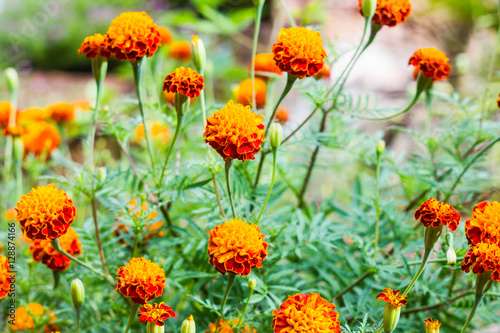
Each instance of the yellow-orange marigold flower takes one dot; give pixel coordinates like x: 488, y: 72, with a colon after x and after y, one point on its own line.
x: 389, y: 12
x: 306, y: 313
x: 133, y: 35
x: 185, y: 81
x: 61, y: 112
x: 244, y: 92
x: 25, y: 320
x: 5, y: 108
x: 224, y: 327
x: 5, y: 275
x: 483, y: 257
x: 157, y: 313
x: 45, y: 213
x: 158, y: 132
x: 299, y: 51
x: 393, y: 297
x: 435, y: 213
x: 165, y: 35
x: 264, y: 63
x: 95, y: 45
x: 282, y: 115
x: 141, y: 280
x: 431, y: 62
x: 180, y: 50
x: 235, y: 132
x: 236, y: 246
x: 484, y: 225
x: 31, y: 115
x: 432, y: 326
x: 40, y: 137
x: 14, y: 131
x: 44, y: 253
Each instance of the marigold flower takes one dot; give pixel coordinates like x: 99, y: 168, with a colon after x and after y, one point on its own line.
x: 141, y: 280
x: 185, y: 81
x: 484, y: 225
x: 235, y: 132
x: 434, y: 213
x: 299, y: 51
x: 158, y: 132
x: 180, y: 50
x: 45, y: 213
x: 431, y: 62
x: 393, y: 297
x: 133, y: 35
x: 5, y: 108
x: 31, y: 115
x: 165, y: 35
x: 236, y: 246
x: 282, y: 115
x: 306, y: 313
x: 14, y: 131
x: 244, y: 92
x: 432, y: 326
x: 61, y: 112
x: 81, y: 104
x: 389, y: 12
x: 25, y: 320
x: 324, y: 73
x: 5, y: 274
x: 40, y: 137
x: 157, y: 313
x: 43, y: 252
x: 95, y: 45
x: 483, y: 257
x: 224, y: 327
x: 264, y: 63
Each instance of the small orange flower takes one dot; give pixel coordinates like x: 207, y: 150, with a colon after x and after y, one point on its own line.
x: 25, y: 320
x: 14, y: 131
x: 306, y: 313
x: 61, y: 112
x: 157, y: 313
x: 483, y: 257
x: 141, y: 280
x: 435, y: 213
x: 180, y: 50
x: 31, y: 115
x: 133, y: 35
x: 299, y: 51
x: 264, y: 63
x: 235, y: 132
x: 282, y: 115
x: 43, y: 251
x: 40, y: 137
x: 224, y: 327
x: 81, y: 104
x: 165, y: 35
x: 95, y: 45
x: 393, y: 297
x: 45, y: 213
x: 324, y: 73
x: 389, y: 12
x: 236, y: 246
x: 158, y: 132
x: 431, y: 62
x: 432, y: 326
x: 5, y: 275
x: 5, y: 108
x: 244, y: 92
x: 484, y: 225
x: 185, y: 81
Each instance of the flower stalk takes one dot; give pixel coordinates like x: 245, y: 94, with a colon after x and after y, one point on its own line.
x: 483, y: 284
x: 228, y: 184
x: 380, y: 150
x: 425, y: 259
x: 133, y: 312
x: 230, y: 283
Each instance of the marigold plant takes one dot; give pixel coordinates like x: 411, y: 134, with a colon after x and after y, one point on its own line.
x: 5, y: 109
x: 389, y: 12
x: 224, y: 327
x: 483, y: 257
x: 434, y: 213
x: 431, y: 62
x: 265, y: 63
x: 165, y: 35
x: 5, y: 275
x: 180, y: 50
x: 25, y: 318
x: 156, y: 313
x: 393, y: 297
x: 432, y: 326
x: 184, y: 81
x: 40, y: 138
x: 244, y: 92
x: 484, y: 225
x: 282, y: 115
x: 31, y: 115
x: 95, y: 45
x: 61, y: 112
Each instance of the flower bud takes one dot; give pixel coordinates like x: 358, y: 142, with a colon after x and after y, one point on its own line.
x: 369, y: 7
x: 180, y: 103
x: 153, y: 328
x: 77, y: 293
x: 380, y: 146
x: 198, y: 54
x: 188, y: 325
x: 451, y: 256
x: 276, y: 135
x: 432, y: 326
x: 12, y: 79
x: 423, y: 83
x: 431, y: 236
x: 252, y: 283
x: 99, y: 68
x: 391, y: 317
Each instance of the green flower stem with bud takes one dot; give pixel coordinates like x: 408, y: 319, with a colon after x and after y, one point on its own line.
x: 483, y: 284
x: 230, y: 283
x: 251, y: 286
x: 133, y: 312
x: 391, y: 317
x: 380, y: 150
x: 188, y: 325
x: 227, y: 168
x: 78, y: 297
x: 425, y: 259
x: 12, y: 79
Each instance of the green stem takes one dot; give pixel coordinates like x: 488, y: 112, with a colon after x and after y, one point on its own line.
x: 452, y: 282
x: 425, y: 258
x: 227, y: 168
x: 377, y: 204
x: 288, y: 13
x: 133, y: 312
x: 354, y: 284
x: 428, y: 117
x: 302, y: 124
x: 78, y: 310
x: 477, y: 301
x: 258, y: 18
x: 176, y: 134
x: 242, y: 314
x: 217, y: 195
x: 275, y: 151
x: 136, y: 241
x: 230, y: 283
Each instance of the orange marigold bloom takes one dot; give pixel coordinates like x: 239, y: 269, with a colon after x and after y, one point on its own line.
x: 25, y: 320
x: 165, y: 35
x: 5, y: 108
x: 393, y: 297
x: 306, y: 313
x: 133, y: 35
x: 81, y: 104
x: 95, y: 45
x: 45, y: 213
x: 299, y: 51
x: 180, y: 50
x: 389, y: 12
x: 324, y: 73
x: 435, y: 213
x: 236, y: 246
x: 157, y: 313
x: 224, y: 327
x: 483, y: 257
x: 5, y: 274
x: 264, y: 63
x: 185, y: 81
x: 432, y: 326
x: 157, y: 132
x: 244, y: 92
x: 141, y: 280
x: 484, y: 225
x: 235, y: 132
x: 40, y: 137
x: 14, y: 131
x: 61, y: 112
x: 431, y: 62
x: 31, y: 115
x: 282, y: 115
x: 44, y: 253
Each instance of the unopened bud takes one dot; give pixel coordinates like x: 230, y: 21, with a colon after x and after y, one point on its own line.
x: 12, y: 79
x: 252, y: 283
x: 99, y: 68
x: 380, y: 146
x: 153, y: 328
x: 369, y: 7
x: 451, y: 256
x: 188, y: 325
x: 77, y: 293
x: 391, y: 317
x: 276, y: 135
x: 198, y: 54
